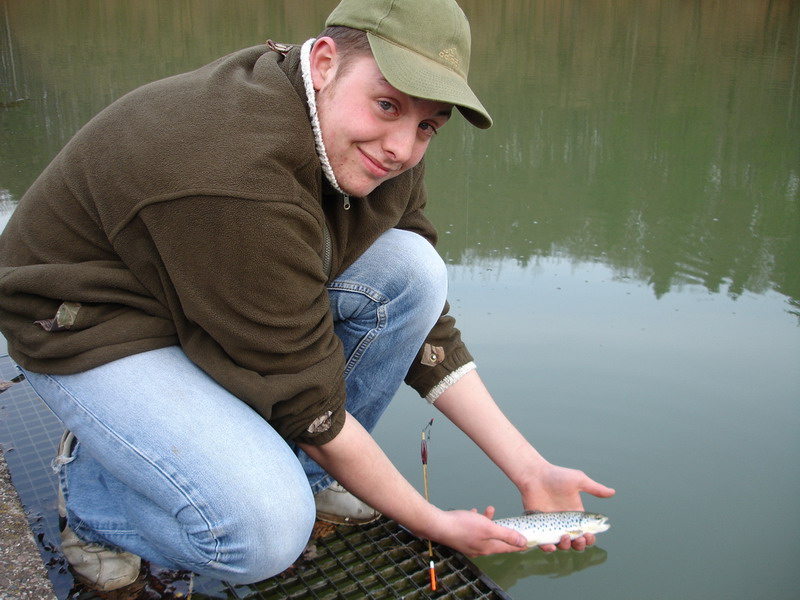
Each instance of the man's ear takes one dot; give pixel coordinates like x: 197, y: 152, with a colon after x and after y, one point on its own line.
x: 324, y: 60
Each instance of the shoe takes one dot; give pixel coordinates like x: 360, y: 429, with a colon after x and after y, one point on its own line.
x: 101, y: 568
x: 336, y: 505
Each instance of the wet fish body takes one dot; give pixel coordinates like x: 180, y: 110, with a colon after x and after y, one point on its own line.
x: 548, y: 527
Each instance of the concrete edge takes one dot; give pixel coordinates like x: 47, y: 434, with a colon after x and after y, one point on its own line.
x: 23, y: 575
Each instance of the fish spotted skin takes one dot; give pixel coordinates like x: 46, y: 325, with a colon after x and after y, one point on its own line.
x: 548, y: 527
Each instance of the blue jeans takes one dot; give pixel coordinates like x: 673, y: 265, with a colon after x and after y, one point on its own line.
x: 172, y: 467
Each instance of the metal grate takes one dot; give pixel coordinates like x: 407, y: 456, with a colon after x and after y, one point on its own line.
x: 29, y: 435
x: 381, y: 560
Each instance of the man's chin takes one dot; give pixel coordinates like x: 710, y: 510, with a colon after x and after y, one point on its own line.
x: 360, y: 190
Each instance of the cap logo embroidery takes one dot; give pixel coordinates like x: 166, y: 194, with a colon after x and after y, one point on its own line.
x: 450, y: 55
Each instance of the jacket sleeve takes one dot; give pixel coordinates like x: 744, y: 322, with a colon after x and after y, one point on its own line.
x: 443, y: 357
x: 247, y: 292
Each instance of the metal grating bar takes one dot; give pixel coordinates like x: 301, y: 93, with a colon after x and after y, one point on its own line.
x: 413, y: 564
x: 345, y: 590
x: 368, y: 561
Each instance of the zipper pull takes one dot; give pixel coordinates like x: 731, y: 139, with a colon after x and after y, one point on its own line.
x: 346, y: 201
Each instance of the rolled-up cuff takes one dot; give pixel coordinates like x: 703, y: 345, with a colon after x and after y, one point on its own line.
x: 449, y: 380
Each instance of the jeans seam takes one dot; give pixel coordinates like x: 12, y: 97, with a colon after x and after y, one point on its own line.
x: 213, y: 530
x: 359, y: 288
x: 381, y: 318
x: 366, y: 341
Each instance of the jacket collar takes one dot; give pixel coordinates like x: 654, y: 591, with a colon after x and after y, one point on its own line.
x: 296, y: 64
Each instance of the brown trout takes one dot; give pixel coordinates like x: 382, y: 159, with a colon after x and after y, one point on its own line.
x: 548, y: 527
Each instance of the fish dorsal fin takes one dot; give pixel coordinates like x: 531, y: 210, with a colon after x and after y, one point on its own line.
x: 533, y: 512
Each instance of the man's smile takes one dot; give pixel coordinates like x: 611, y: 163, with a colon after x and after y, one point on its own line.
x: 374, y: 166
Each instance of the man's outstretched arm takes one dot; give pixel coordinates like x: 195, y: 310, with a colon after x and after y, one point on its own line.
x: 358, y: 463
x: 544, y: 486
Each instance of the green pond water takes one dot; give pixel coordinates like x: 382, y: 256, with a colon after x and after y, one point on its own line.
x: 623, y: 250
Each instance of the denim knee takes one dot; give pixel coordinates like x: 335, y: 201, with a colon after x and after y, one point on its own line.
x: 266, y: 542
x: 420, y: 269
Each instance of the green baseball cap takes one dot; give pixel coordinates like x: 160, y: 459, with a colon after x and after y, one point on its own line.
x: 422, y: 48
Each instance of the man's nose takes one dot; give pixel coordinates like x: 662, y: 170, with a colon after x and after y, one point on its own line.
x: 398, y: 143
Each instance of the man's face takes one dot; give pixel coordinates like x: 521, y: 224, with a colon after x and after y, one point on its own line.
x: 372, y: 131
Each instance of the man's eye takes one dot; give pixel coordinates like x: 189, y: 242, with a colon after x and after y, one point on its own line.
x: 428, y: 128
x: 385, y: 105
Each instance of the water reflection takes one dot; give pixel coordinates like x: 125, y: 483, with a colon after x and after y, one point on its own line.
x: 508, y: 569
x: 71, y: 59
x: 660, y: 138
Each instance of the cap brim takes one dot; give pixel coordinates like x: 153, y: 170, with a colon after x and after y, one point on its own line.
x: 422, y: 77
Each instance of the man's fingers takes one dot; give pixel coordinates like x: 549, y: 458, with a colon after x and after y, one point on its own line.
x: 565, y: 543
x: 509, y: 536
x: 597, y: 489
x: 579, y: 544
x: 512, y: 548
x: 509, y: 541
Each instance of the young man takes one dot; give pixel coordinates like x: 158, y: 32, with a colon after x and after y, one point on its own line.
x: 219, y: 284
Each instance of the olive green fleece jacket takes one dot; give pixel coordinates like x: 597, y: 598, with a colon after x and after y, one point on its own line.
x: 193, y: 211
